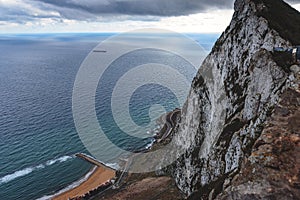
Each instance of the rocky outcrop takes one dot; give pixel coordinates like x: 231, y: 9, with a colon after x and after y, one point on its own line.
x: 232, y: 95
x: 272, y: 171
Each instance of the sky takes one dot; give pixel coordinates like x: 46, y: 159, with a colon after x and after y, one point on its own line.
x: 47, y: 16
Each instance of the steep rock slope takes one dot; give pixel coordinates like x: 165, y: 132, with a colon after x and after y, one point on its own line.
x: 233, y: 93
x: 272, y: 171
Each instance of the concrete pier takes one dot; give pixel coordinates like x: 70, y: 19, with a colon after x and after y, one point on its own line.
x: 93, y: 161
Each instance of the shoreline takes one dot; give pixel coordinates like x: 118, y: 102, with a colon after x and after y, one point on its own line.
x: 100, y: 174
x: 98, y: 177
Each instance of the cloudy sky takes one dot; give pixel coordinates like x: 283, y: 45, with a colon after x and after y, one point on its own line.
x: 206, y: 16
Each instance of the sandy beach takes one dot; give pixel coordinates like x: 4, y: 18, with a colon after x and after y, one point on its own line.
x: 99, y: 176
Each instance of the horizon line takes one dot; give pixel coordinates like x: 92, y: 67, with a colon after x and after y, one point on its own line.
x: 108, y: 32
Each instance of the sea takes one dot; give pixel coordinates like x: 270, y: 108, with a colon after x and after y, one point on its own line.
x: 38, y: 137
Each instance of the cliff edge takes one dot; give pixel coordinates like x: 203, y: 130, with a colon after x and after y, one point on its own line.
x: 231, y: 103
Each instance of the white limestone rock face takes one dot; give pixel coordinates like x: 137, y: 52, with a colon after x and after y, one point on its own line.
x: 231, y: 95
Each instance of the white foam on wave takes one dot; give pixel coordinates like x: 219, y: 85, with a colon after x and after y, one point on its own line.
x: 20, y: 173
x: 150, y: 144
x: 60, y: 160
x: 113, y: 165
x: 78, y: 182
x: 28, y: 170
x: 73, y: 185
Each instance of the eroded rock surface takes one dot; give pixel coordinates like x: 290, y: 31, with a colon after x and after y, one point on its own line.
x: 273, y: 169
x: 231, y: 97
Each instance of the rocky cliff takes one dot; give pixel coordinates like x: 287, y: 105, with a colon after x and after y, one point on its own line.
x: 235, y: 91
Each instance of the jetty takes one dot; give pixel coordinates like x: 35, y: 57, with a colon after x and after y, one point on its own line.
x: 93, y: 161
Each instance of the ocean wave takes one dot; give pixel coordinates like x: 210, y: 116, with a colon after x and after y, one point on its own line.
x: 28, y: 170
x: 60, y: 160
x: 150, y: 144
x: 78, y: 182
x: 113, y: 165
x: 16, y: 174
x: 71, y: 186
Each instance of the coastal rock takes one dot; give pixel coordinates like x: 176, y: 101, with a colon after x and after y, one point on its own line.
x: 234, y: 92
x: 295, y: 69
x: 272, y: 171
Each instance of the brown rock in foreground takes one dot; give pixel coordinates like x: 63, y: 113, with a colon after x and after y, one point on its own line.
x: 149, y: 188
x: 273, y: 169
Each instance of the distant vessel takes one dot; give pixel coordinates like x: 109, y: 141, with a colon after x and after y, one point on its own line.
x: 100, y: 51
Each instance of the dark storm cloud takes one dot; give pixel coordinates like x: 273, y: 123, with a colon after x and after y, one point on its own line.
x: 139, y: 7
x: 109, y: 10
x: 78, y: 9
x: 19, y: 14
